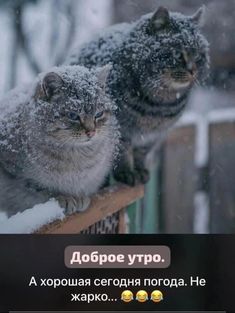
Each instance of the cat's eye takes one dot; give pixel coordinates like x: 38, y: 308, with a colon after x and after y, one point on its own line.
x: 73, y: 116
x: 99, y: 114
x: 197, y: 58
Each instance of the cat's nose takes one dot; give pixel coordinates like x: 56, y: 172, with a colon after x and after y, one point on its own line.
x: 90, y: 133
x: 89, y: 126
x: 191, y: 67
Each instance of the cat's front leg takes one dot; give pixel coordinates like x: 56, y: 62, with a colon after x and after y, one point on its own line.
x: 123, y: 171
x: 72, y: 204
x: 142, y: 172
x: 130, y: 169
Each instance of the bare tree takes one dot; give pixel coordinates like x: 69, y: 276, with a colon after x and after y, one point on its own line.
x: 21, y: 41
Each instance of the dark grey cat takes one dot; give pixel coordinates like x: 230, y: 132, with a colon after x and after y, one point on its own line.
x: 57, y: 139
x: 156, y: 61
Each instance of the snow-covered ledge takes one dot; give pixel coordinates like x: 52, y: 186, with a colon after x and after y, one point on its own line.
x: 48, y: 218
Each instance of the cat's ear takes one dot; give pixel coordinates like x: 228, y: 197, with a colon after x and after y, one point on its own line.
x: 198, y: 17
x: 102, y: 75
x: 51, y: 84
x: 160, y: 19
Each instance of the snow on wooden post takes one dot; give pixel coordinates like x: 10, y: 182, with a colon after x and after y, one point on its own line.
x: 109, y: 201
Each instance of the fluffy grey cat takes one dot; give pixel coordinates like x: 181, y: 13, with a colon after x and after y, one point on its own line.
x: 156, y: 61
x: 58, y: 138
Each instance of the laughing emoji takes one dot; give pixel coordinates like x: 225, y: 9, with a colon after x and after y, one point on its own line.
x: 142, y: 296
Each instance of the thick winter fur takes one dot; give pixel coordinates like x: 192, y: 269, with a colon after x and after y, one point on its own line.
x: 58, y: 139
x: 156, y: 61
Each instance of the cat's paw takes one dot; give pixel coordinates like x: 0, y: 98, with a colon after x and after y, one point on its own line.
x: 133, y: 178
x: 74, y: 204
x: 143, y: 175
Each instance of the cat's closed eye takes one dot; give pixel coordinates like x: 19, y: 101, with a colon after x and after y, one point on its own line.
x: 99, y: 115
x: 73, y: 116
x: 198, y: 59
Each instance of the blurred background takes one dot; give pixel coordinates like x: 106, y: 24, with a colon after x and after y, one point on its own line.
x: 192, y: 189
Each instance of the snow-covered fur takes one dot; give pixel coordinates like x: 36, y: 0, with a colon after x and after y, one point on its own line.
x: 58, y: 138
x: 156, y: 61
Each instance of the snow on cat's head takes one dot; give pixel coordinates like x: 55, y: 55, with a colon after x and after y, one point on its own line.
x: 71, y: 105
x: 169, y: 54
